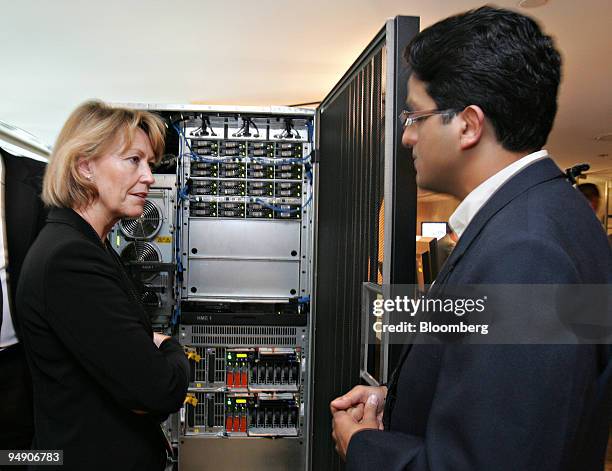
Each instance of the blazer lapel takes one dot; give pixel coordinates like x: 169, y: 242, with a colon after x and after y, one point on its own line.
x: 20, y: 199
x: 70, y: 217
x: 538, y: 172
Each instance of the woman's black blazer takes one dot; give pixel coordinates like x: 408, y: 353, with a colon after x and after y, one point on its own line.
x: 90, y: 349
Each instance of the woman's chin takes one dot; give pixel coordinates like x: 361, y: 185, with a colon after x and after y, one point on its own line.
x: 133, y: 211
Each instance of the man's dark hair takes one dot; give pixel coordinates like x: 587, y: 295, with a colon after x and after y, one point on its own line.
x: 589, y: 190
x: 499, y: 60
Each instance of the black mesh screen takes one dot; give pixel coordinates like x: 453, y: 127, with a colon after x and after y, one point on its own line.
x: 350, y: 225
x: 352, y: 129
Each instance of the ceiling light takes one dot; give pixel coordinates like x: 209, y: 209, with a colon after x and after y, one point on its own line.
x: 532, y: 3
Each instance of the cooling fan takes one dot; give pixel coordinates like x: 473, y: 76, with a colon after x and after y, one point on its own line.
x: 138, y: 251
x: 144, y: 227
x: 150, y: 299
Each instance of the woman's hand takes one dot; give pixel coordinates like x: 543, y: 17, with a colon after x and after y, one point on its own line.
x: 158, y: 339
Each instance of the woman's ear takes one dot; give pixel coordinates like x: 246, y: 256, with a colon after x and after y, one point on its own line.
x: 472, y: 126
x: 85, y: 168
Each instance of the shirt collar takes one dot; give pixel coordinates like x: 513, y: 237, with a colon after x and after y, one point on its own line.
x: 476, y: 199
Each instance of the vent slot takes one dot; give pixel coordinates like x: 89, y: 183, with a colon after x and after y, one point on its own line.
x: 244, y: 335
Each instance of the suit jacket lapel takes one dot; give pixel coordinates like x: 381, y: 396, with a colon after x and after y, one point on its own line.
x: 20, y: 199
x: 538, y: 172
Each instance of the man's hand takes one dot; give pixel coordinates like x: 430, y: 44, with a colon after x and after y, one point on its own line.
x: 344, y: 424
x: 159, y: 338
x: 357, y: 397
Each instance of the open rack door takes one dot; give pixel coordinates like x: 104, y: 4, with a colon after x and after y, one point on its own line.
x: 366, y: 216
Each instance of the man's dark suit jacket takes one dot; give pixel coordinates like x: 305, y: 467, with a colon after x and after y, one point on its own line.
x: 24, y: 214
x: 505, y: 407
x: 91, y: 352
x: 24, y: 217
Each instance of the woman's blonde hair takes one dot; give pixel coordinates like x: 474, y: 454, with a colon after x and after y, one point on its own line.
x: 92, y: 129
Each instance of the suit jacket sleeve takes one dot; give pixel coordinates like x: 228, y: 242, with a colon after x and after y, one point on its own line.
x: 496, y: 407
x: 95, y: 319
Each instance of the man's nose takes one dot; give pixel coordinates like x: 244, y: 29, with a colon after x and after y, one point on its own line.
x: 409, y: 137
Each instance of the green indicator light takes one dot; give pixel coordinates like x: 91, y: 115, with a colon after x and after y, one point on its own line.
x: 118, y: 240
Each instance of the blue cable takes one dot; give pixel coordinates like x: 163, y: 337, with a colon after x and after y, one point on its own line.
x: 270, y: 160
x: 199, y: 158
x: 278, y: 209
x: 264, y: 160
x: 176, y: 316
x: 182, y: 194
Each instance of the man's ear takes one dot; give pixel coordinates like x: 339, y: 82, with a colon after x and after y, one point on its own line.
x: 472, y: 126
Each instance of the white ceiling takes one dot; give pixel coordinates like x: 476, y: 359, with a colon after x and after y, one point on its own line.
x: 56, y: 54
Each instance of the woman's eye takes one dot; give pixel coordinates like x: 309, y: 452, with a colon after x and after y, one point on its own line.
x: 134, y: 160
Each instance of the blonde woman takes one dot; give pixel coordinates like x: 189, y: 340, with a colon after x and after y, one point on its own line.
x: 102, y: 378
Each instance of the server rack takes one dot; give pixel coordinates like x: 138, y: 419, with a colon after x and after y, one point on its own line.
x: 246, y: 260
x: 242, y: 256
x: 280, y: 215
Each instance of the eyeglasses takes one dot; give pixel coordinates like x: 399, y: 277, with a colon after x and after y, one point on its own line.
x: 408, y: 118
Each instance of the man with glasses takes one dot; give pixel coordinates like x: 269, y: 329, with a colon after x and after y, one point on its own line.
x: 482, y: 101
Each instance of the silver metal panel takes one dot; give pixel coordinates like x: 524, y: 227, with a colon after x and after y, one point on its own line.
x: 24, y: 140
x: 244, y: 336
x: 242, y: 278
x: 244, y: 238
x: 164, y: 181
x: 390, y: 126
x: 253, y: 454
x: 307, y: 251
x: 370, y: 292
x: 312, y: 282
x: 281, y: 110
x: 389, y: 146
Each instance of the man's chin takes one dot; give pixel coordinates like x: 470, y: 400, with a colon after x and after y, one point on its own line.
x: 425, y: 185
x: 421, y: 182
